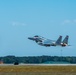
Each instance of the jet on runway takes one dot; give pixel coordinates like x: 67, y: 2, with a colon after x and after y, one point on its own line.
x: 47, y: 42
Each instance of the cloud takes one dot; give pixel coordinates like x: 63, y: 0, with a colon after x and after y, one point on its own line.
x: 66, y: 21
x: 69, y: 21
x: 74, y: 21
x: 18, y: 24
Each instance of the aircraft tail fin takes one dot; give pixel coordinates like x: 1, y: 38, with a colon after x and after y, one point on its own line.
x: 65, y: 41
x: 58, y: 42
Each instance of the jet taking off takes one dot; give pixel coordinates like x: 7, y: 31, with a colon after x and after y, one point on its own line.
x: 47, y: 42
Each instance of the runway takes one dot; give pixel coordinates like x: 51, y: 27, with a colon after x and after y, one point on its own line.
x: 49, y: 64
x: 38, y: 65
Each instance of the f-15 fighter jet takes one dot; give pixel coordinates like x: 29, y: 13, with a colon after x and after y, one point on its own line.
x: 47, y: 42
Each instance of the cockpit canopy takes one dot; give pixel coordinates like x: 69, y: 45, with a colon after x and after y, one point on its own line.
x: 36, y: 36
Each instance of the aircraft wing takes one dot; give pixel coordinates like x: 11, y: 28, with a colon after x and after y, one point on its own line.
x: 48, y: 41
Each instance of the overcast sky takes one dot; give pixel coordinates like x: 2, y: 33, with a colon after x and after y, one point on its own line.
x: 20, y: 19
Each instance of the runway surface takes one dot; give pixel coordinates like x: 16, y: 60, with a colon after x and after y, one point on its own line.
x: 38, y: 65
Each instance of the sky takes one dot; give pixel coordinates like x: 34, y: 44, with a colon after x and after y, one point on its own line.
x: 20, y: 19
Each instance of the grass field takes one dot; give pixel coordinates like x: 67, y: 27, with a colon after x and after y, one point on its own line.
x: 37, y: 70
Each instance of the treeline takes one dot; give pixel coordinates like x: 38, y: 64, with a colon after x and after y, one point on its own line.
x: 37, y: 59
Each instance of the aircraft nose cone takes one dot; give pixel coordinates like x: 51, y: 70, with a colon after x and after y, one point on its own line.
x: 30, y: 38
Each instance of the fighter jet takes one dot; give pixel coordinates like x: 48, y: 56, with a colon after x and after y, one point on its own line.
x: 46, y: 42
